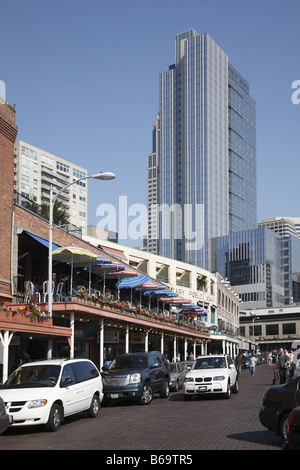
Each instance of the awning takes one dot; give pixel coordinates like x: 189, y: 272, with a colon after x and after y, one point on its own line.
x: 118, y: 254
x: 42, y: 241
x: 131, y: 282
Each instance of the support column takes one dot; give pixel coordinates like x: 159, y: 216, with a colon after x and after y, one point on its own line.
x: 72, y: 326
x: 174, y: 348
x: 127, y: 338
x: 50, y: 348
x: 185, y: 349
x: 101, y: 343
x: 194, y: 352
x: 161, y: 342
x: 5, y: 338
x: 146, y: 340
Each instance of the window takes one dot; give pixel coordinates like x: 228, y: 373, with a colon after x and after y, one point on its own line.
x: 289, y: 328
x: 46, y: 160
x: 271, y: 330
x: 84, y: 371
x: 68, y: 373
x: 62, y: 167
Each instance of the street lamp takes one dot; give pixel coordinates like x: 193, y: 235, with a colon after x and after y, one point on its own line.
x: 254, y: 317
x: 98, y: 176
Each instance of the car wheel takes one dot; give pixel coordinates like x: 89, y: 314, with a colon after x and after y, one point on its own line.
x: 55, y: 418
x: 235, y: 387
x: 165, y: 391
x: 94, y: 408
x: 147, y: 396
x: 228, y: 393
x: 283, y: 424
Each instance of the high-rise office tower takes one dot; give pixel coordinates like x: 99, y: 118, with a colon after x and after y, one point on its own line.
x: 205, y: 151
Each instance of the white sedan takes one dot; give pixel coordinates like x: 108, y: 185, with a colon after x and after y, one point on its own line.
x: 214, y: 374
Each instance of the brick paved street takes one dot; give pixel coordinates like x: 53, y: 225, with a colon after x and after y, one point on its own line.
x: 173, y: 425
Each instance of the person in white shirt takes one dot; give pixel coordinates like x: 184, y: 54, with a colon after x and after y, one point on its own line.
x: 253, y: 361
x: 296, y: 354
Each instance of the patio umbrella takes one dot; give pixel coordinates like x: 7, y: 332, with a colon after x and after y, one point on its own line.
x: 71, y: 254
x: 140, y: 282
x: 106, y: 268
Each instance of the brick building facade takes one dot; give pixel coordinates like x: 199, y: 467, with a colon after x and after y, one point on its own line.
x: 8, y: 134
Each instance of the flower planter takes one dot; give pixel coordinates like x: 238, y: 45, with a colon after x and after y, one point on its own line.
x: 21, y: 318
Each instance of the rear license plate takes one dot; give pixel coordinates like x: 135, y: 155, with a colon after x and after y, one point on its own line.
x: 203, y: 388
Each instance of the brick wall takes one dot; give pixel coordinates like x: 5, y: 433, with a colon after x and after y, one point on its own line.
x: 8, y: 134
x: 32, y: 223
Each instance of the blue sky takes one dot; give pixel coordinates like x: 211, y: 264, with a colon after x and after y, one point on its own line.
x: 84, y: 78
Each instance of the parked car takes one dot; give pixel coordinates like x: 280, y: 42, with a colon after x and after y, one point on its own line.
x: 4, y: 418
x: 45, y: 392
x: 246, y: 362
x: 136, y: 376
x: 214, y: 374
x: 177, y: 375
x: 292, y: 441
x: 277, y: 403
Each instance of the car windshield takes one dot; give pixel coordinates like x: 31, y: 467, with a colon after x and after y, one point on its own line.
x: 128, y: 362
x: 173, y: 367
x: 33, y: 376
x: 210, y: 363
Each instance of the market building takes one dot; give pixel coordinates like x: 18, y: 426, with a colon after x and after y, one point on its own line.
x: 86, y: 320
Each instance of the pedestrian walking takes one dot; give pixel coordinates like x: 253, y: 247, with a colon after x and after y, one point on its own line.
x: 238, y: 363
x: 283, y: 363
x: 253, y: 361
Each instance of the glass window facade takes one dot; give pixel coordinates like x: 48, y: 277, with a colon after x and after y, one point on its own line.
x: 206, y: 150
x: 262, y: 266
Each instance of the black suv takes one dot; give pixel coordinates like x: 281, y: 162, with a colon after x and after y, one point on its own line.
x: 136, y: 376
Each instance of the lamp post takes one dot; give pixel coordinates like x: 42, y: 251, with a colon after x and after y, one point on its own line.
x: 254, y: 317
x: 97, y: 176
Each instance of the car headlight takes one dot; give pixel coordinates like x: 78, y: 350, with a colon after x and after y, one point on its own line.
x: 219, y: 377
x: 135, y: 378
x: 189, y: 379
x: 37, y: 403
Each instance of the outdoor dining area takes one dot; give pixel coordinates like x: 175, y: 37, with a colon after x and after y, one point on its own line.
x: 103, y: 281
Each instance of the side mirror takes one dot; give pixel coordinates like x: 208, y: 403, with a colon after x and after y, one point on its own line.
x: 154, y: 365
x: 67, y: 382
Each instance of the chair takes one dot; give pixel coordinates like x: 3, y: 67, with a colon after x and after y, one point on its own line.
x: 29, y: 291
x: 60, y: 295
x: 45, y: 290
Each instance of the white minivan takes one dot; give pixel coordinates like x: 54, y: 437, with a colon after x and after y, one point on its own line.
x: 44, y: 392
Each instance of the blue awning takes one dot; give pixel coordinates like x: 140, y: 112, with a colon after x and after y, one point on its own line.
x: 42, y: 241
x: 132, y: 281
x: 165, y: 292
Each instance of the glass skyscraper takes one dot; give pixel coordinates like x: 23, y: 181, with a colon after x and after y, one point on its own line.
x: 205, y: 151
x: 262, y: 266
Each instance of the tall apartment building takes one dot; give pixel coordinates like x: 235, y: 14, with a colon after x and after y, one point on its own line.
x: 36, y: 170
x: 206, y: 151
